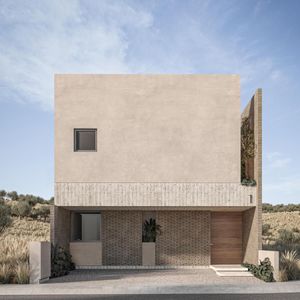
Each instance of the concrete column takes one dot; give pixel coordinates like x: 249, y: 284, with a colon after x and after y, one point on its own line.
x: 60, y: 223
x: 39, y: 261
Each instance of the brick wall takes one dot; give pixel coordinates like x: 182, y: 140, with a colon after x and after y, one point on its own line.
x: 122, y: 237
x: 60, y: 223
x: 185, y: 238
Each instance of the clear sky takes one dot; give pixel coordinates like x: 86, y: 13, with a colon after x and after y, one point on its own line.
x: 260, y: 40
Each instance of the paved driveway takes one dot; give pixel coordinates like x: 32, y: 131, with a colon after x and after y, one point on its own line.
x: 111, y: 284
x: 149, y: 281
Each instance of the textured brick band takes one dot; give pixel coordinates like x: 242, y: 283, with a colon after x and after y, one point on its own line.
x: 154, y: 194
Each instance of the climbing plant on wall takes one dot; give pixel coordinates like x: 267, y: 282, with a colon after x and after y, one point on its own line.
x: 248, y: 150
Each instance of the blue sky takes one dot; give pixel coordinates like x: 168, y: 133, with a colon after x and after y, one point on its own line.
x: 260, y: 40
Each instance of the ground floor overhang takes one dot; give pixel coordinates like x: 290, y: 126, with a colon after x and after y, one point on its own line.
x: 197, y: 237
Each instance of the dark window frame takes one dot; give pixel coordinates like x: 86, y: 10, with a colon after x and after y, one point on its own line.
x: 84, y: 129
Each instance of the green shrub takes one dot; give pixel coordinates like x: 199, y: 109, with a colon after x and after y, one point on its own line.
x: 288, y: 237
x: 263, y: 271
x: 267, y: 207
x: 42, y: 212
x: 61, y: 262
x: 248, y: 182
x: 21, y: 209
x: 265, y: 229
x: 248, y: 150
x: 150, y: 230
x: 13, y: 195
x: 5, y: 218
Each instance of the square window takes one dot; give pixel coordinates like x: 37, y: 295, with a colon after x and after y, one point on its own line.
x: 85, y: 139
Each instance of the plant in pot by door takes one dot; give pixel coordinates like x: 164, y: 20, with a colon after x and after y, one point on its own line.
x: 150, y: 231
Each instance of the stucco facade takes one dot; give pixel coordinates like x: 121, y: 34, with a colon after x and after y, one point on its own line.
x: 169, y: 144
x: 151, y: 128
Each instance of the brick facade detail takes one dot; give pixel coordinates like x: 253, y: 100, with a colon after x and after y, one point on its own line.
x: 185, y: 238
x: 122, y: 238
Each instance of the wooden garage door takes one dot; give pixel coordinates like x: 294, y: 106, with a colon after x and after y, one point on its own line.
x: 226, y: 238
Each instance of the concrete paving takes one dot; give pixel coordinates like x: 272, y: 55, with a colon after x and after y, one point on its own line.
x: 286, y: 296
x: 112, y: 282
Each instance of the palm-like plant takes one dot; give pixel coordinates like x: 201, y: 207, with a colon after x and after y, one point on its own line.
x: 151, y: 230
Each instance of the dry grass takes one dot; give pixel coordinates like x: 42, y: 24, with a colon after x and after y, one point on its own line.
x: 14, y: 254
x: 283, y: 235
x: 279, y: 221
x: 27, y: 229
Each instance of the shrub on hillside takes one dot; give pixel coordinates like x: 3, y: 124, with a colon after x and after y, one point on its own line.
x: 13, y: 195
x: 265, y: 229
x: 5, y: 218
x: 21, y: 209
x: 41, y: 212
x: 267, y: 207
x: 288, y: 237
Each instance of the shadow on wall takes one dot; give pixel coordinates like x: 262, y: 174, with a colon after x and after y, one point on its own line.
x: 248, y: 217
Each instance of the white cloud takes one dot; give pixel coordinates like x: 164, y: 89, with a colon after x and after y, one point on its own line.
x: 277, y: 160
x: 40, y: 38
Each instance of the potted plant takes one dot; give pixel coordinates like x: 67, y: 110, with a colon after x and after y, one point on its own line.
x: 150, y: 231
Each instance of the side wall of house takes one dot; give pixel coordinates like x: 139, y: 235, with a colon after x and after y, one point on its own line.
x: 252, y: 219
x: 60, y: 224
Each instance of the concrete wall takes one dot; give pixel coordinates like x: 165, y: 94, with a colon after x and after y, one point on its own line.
x: 151, y: 128
x: 252, y: 219
x: 60, y: 226
x: 185, y: 238
x: 86, y: 253
x: 39, y: 261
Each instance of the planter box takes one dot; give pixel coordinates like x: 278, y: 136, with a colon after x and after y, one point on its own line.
x: 148, y: 254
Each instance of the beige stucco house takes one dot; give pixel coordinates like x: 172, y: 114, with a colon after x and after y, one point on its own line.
x: 167, y: 147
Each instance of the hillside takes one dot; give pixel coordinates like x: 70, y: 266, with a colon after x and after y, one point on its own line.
x: 281, y: 220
